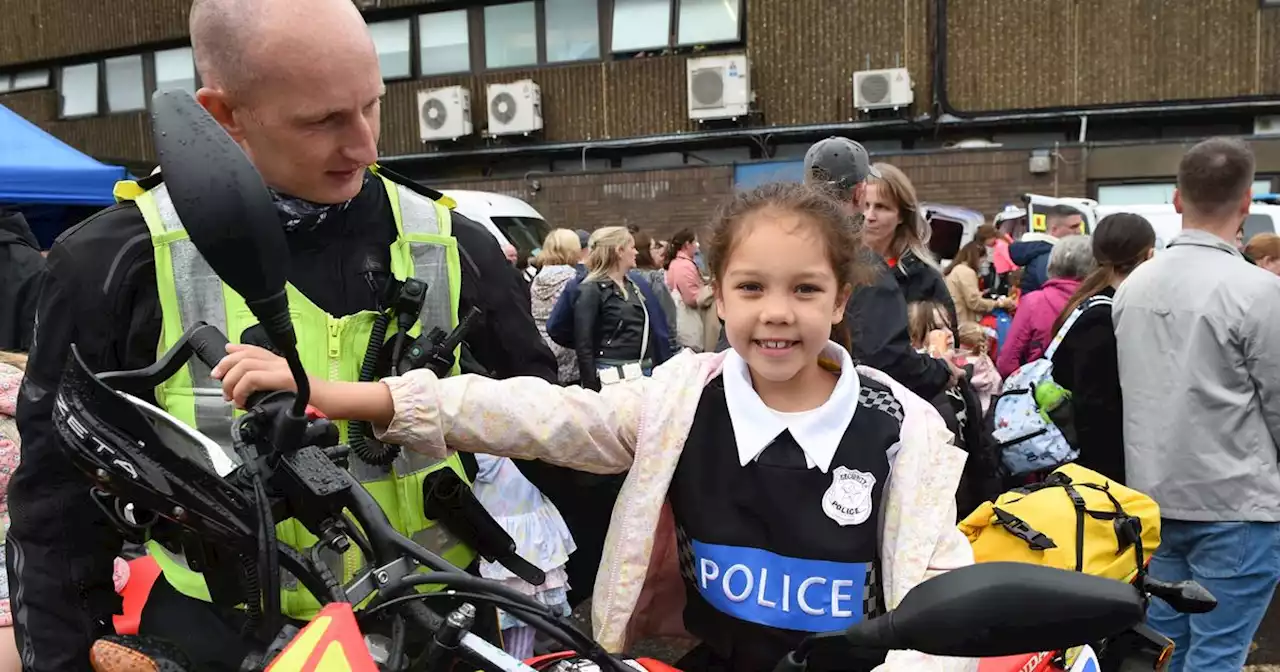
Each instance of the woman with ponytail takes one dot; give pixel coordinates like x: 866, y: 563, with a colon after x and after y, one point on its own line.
x: 1085, y: 362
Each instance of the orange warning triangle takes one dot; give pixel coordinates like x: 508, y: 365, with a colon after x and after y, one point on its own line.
x: 331, y: 642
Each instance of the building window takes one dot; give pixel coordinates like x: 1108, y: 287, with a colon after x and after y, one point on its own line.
x: 126, y: 91
x: 30, y: 79
x: 573, y: 30
x: 709, y: 21
x: 510, y: 35
x: 175, y: 70
x: 391, y: 38
x: 445, y: 43
x: 641, y: 24
x: 79, y: 90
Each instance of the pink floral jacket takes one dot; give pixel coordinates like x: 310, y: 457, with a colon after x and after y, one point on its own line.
x: 642, y: 426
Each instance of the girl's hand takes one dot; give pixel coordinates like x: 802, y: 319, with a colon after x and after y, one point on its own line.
x: 939, y: 342
x: 247, y: 369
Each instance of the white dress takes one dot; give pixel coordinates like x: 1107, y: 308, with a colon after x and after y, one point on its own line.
x: 540, y: 533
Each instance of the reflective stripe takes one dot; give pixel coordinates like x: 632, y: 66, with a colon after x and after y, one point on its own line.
x: 199, y: 293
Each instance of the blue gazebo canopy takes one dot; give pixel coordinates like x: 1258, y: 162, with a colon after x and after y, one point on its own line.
x: 39, y: 169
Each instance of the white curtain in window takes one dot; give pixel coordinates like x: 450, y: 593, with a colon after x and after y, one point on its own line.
x: 391, y: 38
x: 445, y: 40
x: 31, y: 79
x: 709, y: 21
x: 573, y: 30
x: 641, y: 24
x: 175, y: 70
x: 79, y: 90
x: 510, y: 35
x: 126, y: 91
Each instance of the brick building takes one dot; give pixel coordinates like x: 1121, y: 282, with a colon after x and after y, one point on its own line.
x: 1105, y: 93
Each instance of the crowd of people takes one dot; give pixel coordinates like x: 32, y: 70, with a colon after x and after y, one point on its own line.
x: 658, y: 424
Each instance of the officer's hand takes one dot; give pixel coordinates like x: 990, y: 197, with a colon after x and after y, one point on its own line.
x: 247, y: 369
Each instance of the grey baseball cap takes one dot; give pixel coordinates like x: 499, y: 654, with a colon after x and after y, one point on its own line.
x: 838, y: 161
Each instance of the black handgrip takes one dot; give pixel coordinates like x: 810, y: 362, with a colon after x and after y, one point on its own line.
x: 209, y: 344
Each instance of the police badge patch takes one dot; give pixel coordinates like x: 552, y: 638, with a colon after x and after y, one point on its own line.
x: 848, y: 500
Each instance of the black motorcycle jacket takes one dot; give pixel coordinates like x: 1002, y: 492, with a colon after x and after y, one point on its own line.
x: 100, y: 293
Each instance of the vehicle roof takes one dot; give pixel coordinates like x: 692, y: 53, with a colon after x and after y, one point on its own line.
x: 491, y: 203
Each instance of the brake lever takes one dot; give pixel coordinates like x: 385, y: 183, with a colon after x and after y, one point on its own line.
x: 147, y: 379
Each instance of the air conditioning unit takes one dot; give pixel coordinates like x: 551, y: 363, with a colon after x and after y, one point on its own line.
x: 444, y: 114
x: 719, y: 87
x: 882, y: 89
x: 514, y: 108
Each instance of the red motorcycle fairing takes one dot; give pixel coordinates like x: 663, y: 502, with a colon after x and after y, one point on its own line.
x: 1045, y: 661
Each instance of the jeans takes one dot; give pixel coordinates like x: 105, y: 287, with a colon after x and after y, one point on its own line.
x: 1240, y: 564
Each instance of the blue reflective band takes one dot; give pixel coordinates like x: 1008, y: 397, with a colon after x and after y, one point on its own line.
x: 780, y: 592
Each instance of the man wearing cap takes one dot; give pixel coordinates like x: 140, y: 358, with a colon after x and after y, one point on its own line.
x: 876, y: 313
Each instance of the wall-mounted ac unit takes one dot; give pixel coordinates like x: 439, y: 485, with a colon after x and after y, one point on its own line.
x: 444, y: 114
x: 719, y: 87
x: 882, y: 89
x: 514, y: 108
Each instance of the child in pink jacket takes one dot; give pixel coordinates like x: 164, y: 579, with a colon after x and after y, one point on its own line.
x: 757, y: 506
x: 12, y: 366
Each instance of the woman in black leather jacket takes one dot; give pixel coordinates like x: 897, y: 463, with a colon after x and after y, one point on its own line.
x: 613, y: 332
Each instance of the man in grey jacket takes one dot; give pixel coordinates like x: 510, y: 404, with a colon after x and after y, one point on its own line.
x: 1198, y: 338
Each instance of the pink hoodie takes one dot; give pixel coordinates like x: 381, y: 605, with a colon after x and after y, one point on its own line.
x: 10, y: 452
x: 1029, y: 335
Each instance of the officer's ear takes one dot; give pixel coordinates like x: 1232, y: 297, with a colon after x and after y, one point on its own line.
x: 220, y: 108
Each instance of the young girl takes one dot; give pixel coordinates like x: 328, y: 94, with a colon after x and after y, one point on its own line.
x: 929, y: 328
x: 12, y: 368
x: 541, y: 537
x: 974, y: 341
x: 758, y: 506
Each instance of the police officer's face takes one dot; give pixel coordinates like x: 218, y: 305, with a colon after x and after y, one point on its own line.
x: 309, y: 120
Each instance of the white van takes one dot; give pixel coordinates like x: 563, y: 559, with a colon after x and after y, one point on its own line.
x: 508, y: 219
x: 1263, y: 217
x: 951, y: 228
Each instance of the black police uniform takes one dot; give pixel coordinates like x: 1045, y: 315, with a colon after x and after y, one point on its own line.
x: 764, y: 556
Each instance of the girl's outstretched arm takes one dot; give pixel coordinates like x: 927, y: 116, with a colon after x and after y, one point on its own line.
x: 525, y: 417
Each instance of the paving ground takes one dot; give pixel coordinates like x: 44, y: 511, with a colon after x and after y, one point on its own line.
x: 1267, y: 653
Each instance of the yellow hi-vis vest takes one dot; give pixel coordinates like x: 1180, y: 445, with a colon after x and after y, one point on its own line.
x: 332, y: 347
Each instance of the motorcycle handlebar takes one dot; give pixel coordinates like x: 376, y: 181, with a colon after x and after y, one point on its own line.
x: 209, y: 344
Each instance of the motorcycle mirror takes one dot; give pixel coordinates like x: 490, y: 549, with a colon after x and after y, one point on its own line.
x: 1003, y: 609
x: 224, y: 206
